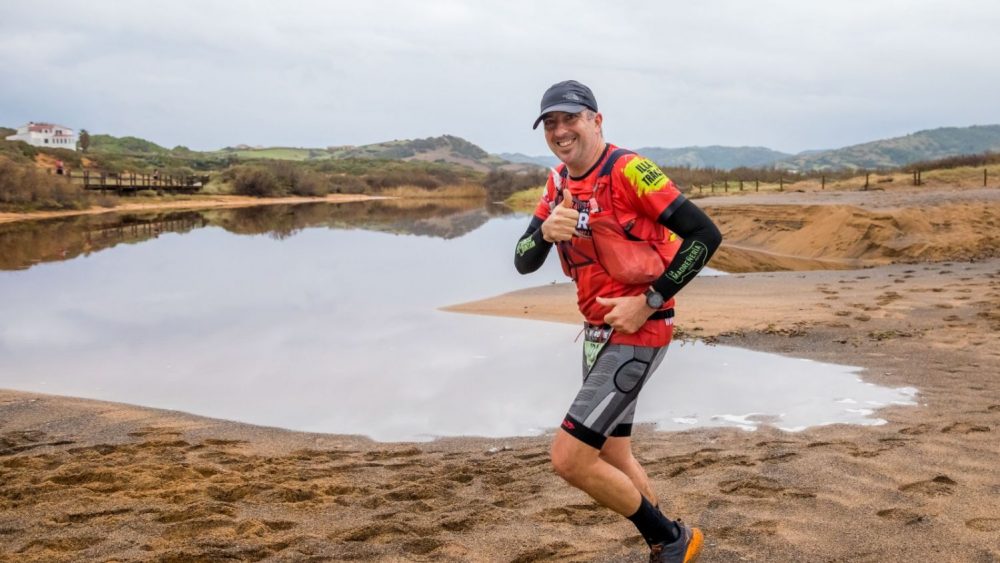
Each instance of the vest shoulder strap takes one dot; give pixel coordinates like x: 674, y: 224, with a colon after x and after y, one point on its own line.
x: 605, y: 171
x: 609, y: 164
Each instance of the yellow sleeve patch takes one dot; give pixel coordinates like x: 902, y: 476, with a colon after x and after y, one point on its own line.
x: 645, y: 176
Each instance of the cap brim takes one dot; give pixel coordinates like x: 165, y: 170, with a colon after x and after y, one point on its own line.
x: 568, y: 108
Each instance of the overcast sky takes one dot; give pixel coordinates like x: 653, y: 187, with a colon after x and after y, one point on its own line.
x: 790, y: 75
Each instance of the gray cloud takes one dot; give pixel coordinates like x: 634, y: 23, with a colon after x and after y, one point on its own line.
x: 789, y: 75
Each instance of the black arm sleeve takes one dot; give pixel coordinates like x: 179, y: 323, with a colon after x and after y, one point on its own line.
x: 531, y: 248
x: 701, y: 239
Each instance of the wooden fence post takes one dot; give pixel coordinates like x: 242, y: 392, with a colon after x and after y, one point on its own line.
x: 726, y: 185
x: 756, y: 185
x: 866, y: 180
x: 781, y: 184
x: 984, y: 177
x: 823, y: 182
x: 741, y: 185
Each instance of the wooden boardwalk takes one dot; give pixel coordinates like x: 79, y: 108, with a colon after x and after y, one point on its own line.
x: 130, y: 182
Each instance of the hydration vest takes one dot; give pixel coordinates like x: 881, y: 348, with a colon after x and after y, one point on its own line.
x: 624, y: 257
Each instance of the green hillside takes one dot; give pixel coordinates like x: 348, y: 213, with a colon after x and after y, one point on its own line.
x: 931, y: 144
x: 446, y: 148
x: 715, y: 156
x: 277, y: 153
x: 124, y: 145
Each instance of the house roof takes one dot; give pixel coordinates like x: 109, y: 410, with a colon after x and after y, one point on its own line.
x: 40, y: 127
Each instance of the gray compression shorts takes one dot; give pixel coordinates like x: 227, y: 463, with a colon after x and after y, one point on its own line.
x: 613, y: 375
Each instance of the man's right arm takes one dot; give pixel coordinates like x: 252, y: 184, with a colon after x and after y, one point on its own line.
x: 531, y: 248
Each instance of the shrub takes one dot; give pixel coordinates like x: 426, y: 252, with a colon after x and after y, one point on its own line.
x: 310, y: 184
x: 26, y: 186
x: 345, y: 184
x: 501, y: 184
x: 256, y: 181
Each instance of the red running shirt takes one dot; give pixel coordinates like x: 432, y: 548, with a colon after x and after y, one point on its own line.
x: 637, y: 192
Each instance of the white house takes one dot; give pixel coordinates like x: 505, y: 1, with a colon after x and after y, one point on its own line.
x: 46, y: 135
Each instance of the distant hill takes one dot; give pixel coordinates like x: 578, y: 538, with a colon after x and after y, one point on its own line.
x: 446, y: 148
x: 544, y: 161
x: 931, y: 144
x: 715, y: 156
x: 725, y: 158
x: 887, y: 153
x: 108, y: 143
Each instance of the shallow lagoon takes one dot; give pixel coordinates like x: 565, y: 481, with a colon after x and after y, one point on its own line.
x: 325, y: 318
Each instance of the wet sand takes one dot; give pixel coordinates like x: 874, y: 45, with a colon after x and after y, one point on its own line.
x: 91, y: 481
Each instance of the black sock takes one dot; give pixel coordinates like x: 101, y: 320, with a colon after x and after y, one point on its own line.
x: 653, y: 525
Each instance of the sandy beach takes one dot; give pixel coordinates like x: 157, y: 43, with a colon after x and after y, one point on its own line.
x: 903, y: 282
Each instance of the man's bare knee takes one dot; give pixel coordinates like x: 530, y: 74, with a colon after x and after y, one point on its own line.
x: 565, y: 467
x: 571, y: 460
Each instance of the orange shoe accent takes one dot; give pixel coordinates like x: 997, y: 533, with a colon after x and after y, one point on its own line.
x: 694, y: 548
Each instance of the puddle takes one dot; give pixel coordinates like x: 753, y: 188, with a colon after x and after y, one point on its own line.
x: 328, y: 327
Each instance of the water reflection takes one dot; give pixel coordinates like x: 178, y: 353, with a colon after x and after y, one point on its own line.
x: 26, y: 243
x: 330, y: 323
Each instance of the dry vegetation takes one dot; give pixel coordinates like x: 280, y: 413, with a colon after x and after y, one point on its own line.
x: 464, y: 191
x: 29, y: 188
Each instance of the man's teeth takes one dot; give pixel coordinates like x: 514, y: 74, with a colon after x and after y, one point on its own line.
x: 564, y: 143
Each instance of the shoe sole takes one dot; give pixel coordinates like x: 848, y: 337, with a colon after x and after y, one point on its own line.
x: 694, y: 548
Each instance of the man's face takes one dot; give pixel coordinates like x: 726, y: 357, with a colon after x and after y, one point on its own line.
x: 574, y: 139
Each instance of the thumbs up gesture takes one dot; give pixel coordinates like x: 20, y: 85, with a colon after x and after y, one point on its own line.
x: 561, y: 224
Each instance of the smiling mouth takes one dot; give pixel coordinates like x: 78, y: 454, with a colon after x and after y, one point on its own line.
x: 564, y: 144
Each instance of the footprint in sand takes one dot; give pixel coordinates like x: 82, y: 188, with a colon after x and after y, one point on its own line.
x: 555, y: 551
x: 941, y: 485
x: 59, y: 545
x: 916, y: 430
x: 79, y: 517
x: 392, y: 454
x: 759, y: 528
x: 15, y: 442
x: 416, y: 491
x: 760, y: 487
x: 383, y: 532
x: 422, y: 546
x: 907, y: 517
x: 577, y: 514
x: 459, y: 524
x: 964, y: 428
x: 984, y: 524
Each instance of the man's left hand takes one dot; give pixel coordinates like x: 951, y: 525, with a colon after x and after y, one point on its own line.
x: 627, y: 314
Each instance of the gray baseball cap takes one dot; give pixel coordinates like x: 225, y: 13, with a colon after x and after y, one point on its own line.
x: 569, y: 96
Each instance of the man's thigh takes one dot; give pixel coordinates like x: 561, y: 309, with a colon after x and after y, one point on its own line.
x: 609, y: 391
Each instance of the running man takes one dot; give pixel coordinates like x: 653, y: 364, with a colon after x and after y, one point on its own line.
x: 610, y: 212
